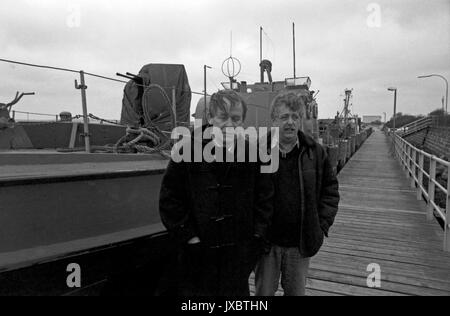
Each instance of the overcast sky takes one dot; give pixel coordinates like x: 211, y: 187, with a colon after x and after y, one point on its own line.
x: 364, y: 45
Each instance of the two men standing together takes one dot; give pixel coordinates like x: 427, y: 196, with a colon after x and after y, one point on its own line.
x: 230, y: 219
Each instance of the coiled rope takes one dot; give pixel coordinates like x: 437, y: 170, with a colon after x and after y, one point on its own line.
x: 140, y: 140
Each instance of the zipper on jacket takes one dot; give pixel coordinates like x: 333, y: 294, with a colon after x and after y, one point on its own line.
x: 302, y: 202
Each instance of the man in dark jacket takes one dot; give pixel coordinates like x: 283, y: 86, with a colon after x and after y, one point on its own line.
x: 305, y: 203
x: 219, y: 212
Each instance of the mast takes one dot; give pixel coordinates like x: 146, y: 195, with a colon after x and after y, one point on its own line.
x: 261, y: 51
x: 260, y: 43
x: 348, y: 93
x: 293, y: 44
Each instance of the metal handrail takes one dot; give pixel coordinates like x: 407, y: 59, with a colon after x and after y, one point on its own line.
x: 14, y: 112
x: 416, y: 122
x: 416, y: 126
x: 408, y: 155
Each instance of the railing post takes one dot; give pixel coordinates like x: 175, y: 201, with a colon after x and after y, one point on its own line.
x: 405, y: 148
x: 411, y: 165
x: 398, y: 149
x: 400, y: 152
x: 395, y: 147
x: 413, y: 168
x: 14, y: 115
x: 431, y: 189
x: 420, y: 177
x: 408, y: 160
x: 447, y: 215
x: 86, y: 134
x: 411, y: 160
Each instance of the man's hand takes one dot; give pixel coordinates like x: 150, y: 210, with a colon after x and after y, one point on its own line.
x: 262, y: 245
x: 194, y: 241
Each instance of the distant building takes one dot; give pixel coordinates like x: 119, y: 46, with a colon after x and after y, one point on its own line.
x: 371, y: 118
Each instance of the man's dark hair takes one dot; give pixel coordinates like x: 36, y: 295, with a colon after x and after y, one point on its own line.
x: 218, y: 101
x: 291, y: 100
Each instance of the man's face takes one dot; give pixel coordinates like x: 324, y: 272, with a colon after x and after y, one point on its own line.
x: 288, y: 122
x: 228, y: 117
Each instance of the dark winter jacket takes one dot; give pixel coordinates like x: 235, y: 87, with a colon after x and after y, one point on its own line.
x: 319, y: 195
x: 221, y: 203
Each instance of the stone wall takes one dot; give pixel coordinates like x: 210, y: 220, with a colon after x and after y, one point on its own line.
x: 438, y: 141
x: 417, y: 139
x: 434, y: 140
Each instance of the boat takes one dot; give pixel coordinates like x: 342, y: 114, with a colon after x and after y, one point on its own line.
x: 343, y: 135
x: 64, y: 202
x: 259, y: 95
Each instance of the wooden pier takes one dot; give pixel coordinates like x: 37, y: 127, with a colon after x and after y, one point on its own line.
x: 381, y: 222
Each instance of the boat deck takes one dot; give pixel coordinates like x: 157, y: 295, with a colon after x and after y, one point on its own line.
x: 48, y: 164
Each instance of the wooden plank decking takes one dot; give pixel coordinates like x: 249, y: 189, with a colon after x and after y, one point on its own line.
x: 379, y: 221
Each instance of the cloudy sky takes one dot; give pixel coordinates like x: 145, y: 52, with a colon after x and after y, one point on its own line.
x: 364, y: 45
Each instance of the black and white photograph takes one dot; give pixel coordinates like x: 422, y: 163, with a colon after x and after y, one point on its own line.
x: 219, y: 154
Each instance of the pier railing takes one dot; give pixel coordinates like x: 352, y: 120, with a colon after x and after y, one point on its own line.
x: 426, y: 181
x: 423, y: 123
x: 415, y: 126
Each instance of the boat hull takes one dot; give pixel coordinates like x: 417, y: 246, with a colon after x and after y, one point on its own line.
x: 99, y: 211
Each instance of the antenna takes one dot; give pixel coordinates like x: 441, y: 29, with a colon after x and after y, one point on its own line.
x: 260, y: 43
x: 261, y: 51
x: 231, y: 43
x: 293, y: 44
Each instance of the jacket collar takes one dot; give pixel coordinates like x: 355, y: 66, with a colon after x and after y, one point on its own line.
x: 306, y: 140
x: 284, y: 152
x: 307, y: 143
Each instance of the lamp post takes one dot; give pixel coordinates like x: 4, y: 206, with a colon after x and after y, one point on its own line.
x: 205, y: 67
x: 395, y: 105
x: 446, y: 88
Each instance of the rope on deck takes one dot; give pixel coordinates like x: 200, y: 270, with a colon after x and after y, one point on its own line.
x: 140, y: 144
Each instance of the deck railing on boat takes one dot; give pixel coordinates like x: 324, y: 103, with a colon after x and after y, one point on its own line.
x: 82, y: 87
x: 413, y: 161
x: 31, y: 113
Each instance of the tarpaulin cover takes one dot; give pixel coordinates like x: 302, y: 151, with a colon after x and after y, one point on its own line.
x: 167, y: 76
